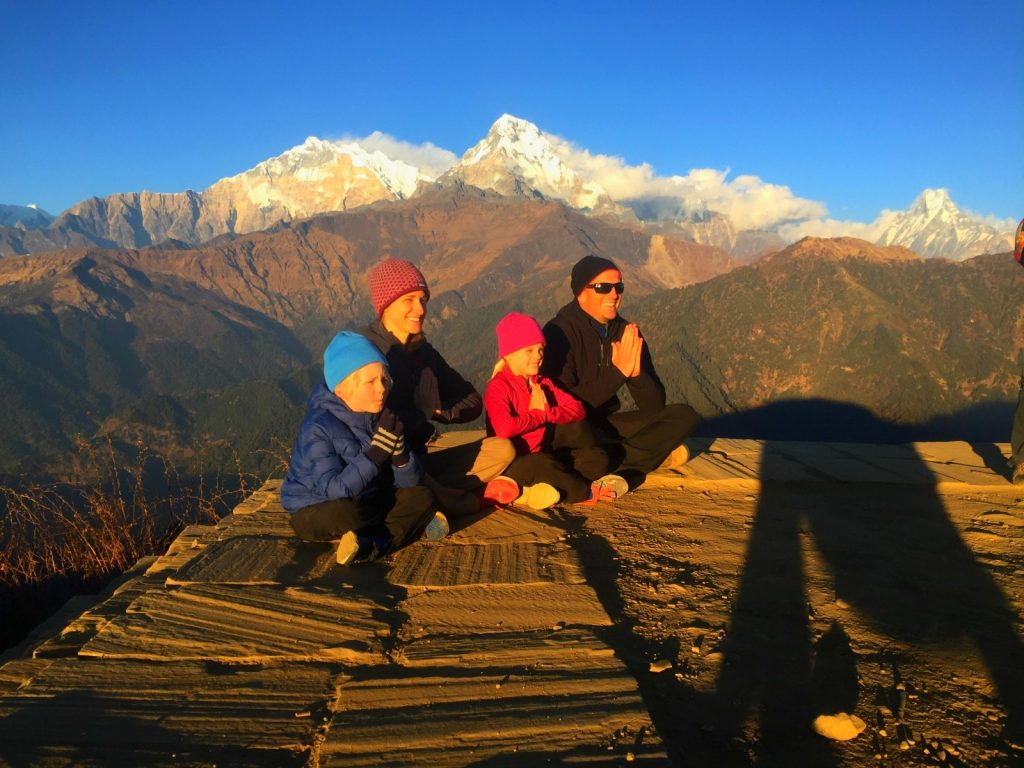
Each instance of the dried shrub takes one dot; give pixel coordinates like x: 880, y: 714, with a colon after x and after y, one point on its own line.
x: 72, y: 537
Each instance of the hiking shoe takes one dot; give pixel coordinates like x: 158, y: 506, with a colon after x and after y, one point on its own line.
x: 607, y: 488
x: 611, y: 486
x: 501, y: 491
x: 539, y: 496
x: 356, y: 548
x: 1017, y: 477
x: 679, y: 456
x: 437, y: 528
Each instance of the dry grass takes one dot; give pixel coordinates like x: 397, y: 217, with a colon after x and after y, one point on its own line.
x: 57, y: 540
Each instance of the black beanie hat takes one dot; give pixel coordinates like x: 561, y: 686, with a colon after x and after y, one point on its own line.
x: 587, y: 269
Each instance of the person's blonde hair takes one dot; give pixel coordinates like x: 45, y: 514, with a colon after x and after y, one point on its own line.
x: 499, y: 367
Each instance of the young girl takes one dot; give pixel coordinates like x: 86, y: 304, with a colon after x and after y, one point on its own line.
x: 557, y: 456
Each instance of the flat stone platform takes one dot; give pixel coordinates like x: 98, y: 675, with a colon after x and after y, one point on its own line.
x: 524, y: 638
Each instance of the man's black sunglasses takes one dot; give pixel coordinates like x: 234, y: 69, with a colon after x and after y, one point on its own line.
x: 607, y: 287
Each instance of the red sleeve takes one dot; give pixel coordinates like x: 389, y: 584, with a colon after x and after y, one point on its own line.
x: 499, y: 400
x: 566, y: 409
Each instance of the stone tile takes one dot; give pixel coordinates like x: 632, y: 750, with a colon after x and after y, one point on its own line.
x: 272, y: 522
x: 18, y: 673
x: 462, y: 717
x: 266, y: 497
x: 257, y: 559
x: 247, y: 623
x: 78, y: 712
x: 523, y: 608
x: 447, y: 563
x: 570, y: 648
x: 511, y: 524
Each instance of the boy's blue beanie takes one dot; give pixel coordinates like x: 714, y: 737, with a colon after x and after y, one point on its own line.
x: 346, y: 353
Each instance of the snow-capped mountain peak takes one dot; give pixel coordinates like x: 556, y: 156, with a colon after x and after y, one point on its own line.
x: 313, y: 177
x: 514, y: 138
x: 316, y: 160
x: 516, y: 157
x: 934, y: 226
x: 933, y: 202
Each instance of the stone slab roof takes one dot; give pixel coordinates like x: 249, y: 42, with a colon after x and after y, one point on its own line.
x: 524, y: 638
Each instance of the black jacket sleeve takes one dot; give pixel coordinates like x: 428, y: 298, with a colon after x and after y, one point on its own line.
x: 460, y: 402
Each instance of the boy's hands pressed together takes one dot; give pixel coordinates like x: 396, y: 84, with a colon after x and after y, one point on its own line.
x: 388, y: 440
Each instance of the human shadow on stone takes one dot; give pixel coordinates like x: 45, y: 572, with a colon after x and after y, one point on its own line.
x: 896, y: 558
x: 811, y: 419
x: 667, y: 700
x: 834, y: 686
x: 820, y: 419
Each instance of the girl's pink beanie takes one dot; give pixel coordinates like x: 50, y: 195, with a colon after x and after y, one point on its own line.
x: 515, y: 331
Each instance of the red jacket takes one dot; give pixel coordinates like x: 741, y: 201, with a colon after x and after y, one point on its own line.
x: 507, y: 401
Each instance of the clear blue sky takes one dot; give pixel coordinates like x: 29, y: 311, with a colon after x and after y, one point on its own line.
x: 858, y: 105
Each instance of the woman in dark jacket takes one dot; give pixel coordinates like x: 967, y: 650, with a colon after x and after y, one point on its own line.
x: 426, y: 390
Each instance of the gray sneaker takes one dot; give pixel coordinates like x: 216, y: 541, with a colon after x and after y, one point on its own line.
x: 437, y: 528
x: 616, y: 483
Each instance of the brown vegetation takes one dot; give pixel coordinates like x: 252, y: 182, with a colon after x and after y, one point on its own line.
x: 58, y: 540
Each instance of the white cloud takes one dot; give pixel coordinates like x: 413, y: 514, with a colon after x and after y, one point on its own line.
x: 749, y: 201
x: 837, y: 228
x: 429, y: 158
x: 997, y: 223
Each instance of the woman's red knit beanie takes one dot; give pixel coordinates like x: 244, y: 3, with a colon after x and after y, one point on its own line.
x: 393, y: 278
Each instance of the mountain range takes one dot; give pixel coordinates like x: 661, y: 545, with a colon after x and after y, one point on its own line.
x: 515, y: 158
x: 24, y: 216
x: 185, y: 349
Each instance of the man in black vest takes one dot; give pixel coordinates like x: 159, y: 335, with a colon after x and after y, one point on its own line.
x: 592, y: 352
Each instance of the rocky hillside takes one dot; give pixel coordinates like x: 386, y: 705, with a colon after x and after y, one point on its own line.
x: 913, y: 340
x: 170, y: 344
x: 184, y: 347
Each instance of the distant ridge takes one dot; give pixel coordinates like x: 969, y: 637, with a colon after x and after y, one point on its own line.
x: 515, y: 158
x: 916, y: 341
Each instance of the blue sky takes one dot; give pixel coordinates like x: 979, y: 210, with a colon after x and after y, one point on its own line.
x: 859, y: 106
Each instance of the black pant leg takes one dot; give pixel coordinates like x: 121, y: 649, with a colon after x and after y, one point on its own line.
x: 413, y: 509
x: 404, y: 512
x: 532, y: 468
x: 577, y: 446
x: 330, y: 520
x: 648, y: 438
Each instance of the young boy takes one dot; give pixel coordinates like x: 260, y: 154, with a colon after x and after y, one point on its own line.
x: 351, y: 476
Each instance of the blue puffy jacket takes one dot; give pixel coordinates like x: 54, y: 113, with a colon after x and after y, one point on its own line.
x: 329, y: 458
